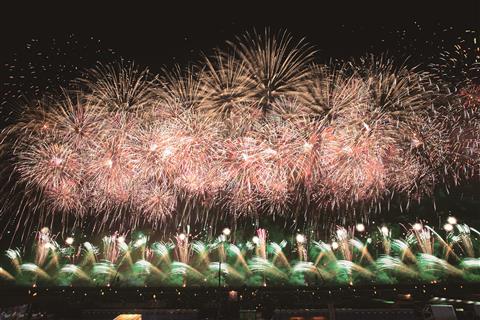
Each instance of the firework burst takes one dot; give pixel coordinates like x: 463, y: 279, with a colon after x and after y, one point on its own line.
x: 260, y: 129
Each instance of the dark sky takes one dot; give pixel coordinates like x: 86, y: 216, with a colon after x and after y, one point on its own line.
x: 44, y: 46
x: 155, y: 35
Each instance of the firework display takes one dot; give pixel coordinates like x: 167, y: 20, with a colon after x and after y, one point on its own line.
x: 353, y: 256
x: 256, y: 128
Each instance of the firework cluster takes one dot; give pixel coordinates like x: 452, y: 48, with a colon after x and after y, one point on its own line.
x: 258, y: 127
x: 354, y: 256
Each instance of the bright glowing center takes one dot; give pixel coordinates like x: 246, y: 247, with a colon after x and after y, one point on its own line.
x: 448, y: 227
x: 347, y: 149
x: 182, y: 237
x: 69, y: 241
x: 300, y: 238
x: 417, y: 226
x: 341, y: 233
x: 452, y: 220
x: 360, y: 227
x: 366, y: 126
x: 153, y: 147
x: 56, y: 161
x: 307, y: 147
x: 109, y: 163
x: 167, y: 153
x: 384, y: 231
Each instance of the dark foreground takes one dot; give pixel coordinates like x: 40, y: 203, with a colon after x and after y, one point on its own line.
x: 386, y: 302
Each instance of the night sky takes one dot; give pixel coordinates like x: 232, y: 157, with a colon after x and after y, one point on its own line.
x: 44, y: 46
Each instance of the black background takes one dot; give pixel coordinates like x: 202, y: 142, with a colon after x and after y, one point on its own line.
x: 164, y: 34
x: 45, y: 45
